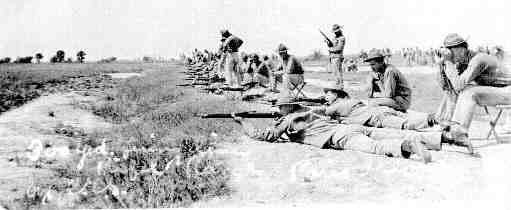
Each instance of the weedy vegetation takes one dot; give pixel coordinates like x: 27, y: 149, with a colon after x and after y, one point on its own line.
x: 159, y: 154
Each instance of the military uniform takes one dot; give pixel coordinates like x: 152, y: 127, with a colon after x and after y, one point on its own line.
x: 232, y: 66
x: 394, y: 88
x: 479, y: 83
x: 222, y: 51
x: 389, y: 81
x: 312, y: 129
x: 291, y: 70
x: 336, y: 56
x: 260, y: 70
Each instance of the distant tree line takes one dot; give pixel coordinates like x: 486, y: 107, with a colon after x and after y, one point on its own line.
x: 59, y: 57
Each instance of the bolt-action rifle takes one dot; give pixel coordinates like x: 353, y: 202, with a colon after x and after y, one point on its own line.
x: 249, y: 114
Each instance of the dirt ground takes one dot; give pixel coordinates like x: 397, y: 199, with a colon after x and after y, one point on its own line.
x: 289, y: 174
x: 19, y: 127
x: 286, y: 174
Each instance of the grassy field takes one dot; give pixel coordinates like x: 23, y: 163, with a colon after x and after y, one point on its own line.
x: 24, y: 82
x: 158, y: 153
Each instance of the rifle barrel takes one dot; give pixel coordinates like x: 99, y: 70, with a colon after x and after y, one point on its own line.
x: 244, y: 115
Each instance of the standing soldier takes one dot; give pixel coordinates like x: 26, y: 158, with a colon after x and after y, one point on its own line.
x: 336, y: 48
x: 232, y: 45
x: 221, y: 57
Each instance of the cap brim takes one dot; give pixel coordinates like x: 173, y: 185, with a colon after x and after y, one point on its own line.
x: 454, y: 44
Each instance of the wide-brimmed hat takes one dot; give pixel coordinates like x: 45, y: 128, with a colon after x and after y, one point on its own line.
x: 225, y: 32
x: 281, y: 48
x: 373, y: 54
x: 336, y: 27
x: 336, y: 89
x: 453, y: 39
x: 254, y: 56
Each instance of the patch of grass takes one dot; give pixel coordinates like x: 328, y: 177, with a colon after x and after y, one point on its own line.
x: 159, y: 154
x: 21, y: 83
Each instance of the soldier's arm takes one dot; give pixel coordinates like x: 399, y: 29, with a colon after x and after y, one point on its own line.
x: 452, y: 74
x: 319, y: 110
x: 389, y: 87
x: 371, y: 86
x: 269, y: 134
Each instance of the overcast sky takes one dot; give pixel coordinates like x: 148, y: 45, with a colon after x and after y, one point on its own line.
x: 134, y: 28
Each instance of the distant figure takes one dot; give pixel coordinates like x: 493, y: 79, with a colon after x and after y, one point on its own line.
x: 245, y: 71
x: 222, y: 53
x: 498, y: 52
x: 261, y: 70
x: 336, y: 50
x: 38, y: 57
x: 232, y: 65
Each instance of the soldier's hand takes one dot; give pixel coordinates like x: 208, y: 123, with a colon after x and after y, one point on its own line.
x: 236, y: 118
x: 329, y: 44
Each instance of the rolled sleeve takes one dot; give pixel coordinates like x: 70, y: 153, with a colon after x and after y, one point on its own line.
x: 389, y: 89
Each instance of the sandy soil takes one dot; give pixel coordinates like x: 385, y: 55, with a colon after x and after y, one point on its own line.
x: 19, y: 127
x: 289, y: 174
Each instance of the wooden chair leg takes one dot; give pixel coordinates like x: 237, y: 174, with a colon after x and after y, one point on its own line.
x: 494, y: 124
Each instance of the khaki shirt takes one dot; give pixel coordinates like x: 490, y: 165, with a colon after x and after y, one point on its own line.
x: 306, y: 128
x: 290, y: 66
x: 392, y: 83
x: 336, y: 51
x: 482, y: 70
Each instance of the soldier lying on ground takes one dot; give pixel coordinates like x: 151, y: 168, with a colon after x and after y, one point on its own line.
x: 300, y: 125
x: 346, y: 110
